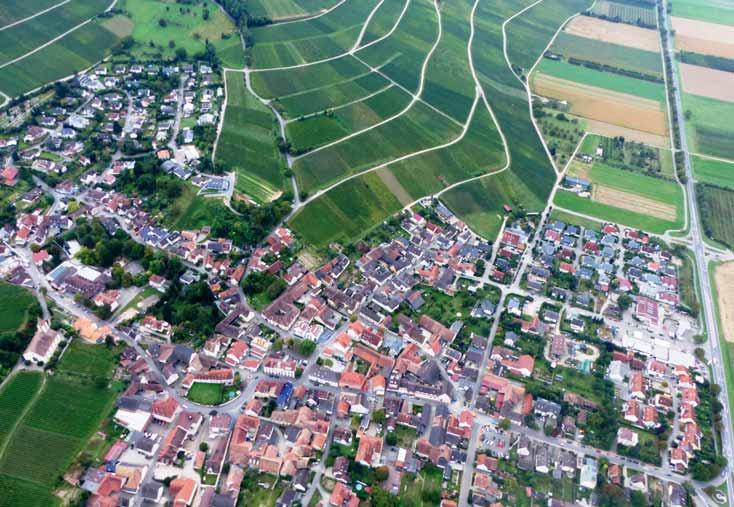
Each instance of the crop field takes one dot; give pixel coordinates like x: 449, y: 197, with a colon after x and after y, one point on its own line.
x: 14, y: 304
x: 56, y: 425
x: 708, y: 38
x: 714, y: 172
x: 628, y: 198
x: 707, y: 130
x: 714, y: 11
x: 13, y: 12
x: 611, y: 130
x: 626, y: 13
x: 72, y: 53
x: 615, y: 33
x: 27, y: 36
x: 605, y: 53
x: 716, y: 206
x: 310, y: 40
x: 247, y: 142
x: 186, y: 26
x: 283, y: 9
x: 602, y: 105
x: 711, y: 83
x: 434, y: 153
x: 605, y: 80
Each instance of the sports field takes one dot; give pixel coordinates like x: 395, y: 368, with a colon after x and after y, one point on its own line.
x: 77, y: 51
x: 189, y: 26
x: 714, y: 172
x: 49, y: 426
x: 628, y: 198
x: 248, y: 141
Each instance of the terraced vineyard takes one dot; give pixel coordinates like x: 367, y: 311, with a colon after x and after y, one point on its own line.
x: 383, y: 103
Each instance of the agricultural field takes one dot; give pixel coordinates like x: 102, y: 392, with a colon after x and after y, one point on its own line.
x: 716, y: 206
x: 85, y: 360
x: 625, y: 13
x: 52, y: 428
x: 714, y: 11
x: 14, y: 305
x: 629, y: 154
x: 24, y: 37
x: 188, y: 26
x: 74, y: 52
x: 707, y: 131
x: 280, y: 10
x: 310, y: 40
x: 16, y: 395
x: 614, y: 33
x: 713, y: 172
x: 605, y: 53
x: 708, y: 38
x: 248, y: 144
x: 706, y: 82
x: 13, y: 12
x: 628, y: 198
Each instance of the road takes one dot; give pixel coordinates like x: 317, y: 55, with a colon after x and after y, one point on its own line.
x: 699, y: 249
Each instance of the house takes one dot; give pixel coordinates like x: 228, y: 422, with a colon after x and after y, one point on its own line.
x: 627, y: 437
x: 589, y: 471
x: 369, y: 452
x: 43, y: 344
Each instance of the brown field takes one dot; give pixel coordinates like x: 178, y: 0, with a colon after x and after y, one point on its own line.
x: 579, y: 169
x: 706, y: 82
x: 703, y: 37
x: 605, y: 105
x: 392, y: 183
x: 724, y: 277
x: 632, y: 202
x: 609, y: 130
x: 615, y: 33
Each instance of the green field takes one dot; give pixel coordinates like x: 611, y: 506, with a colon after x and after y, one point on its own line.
x: 625, y: 12
x: 714, y: 172
x: 655, y: 189
x: 277, y: 9
x: 604, y: 53
x: 716, y: 206
x: 248, y: 143
x: 310, y: 40
x: 75, y: 52
x: 707, y: 127
x: 186, y: 27
x: 209, y: 394
x: 12, y: 12
x: 606, y: 80
x: 713, y: 11
x: 45, y: 439
x: 83, y: 359
x: 14, y: 305
x: 27, y: 36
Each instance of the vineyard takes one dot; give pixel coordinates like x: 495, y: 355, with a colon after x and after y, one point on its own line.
x: 717, y: 212
x: 625, y: 13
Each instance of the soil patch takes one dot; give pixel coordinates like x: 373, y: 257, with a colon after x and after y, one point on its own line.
x: 712, y: 83
x: 724, y: 277
x: 610, y: 130
x: 704, y: 37
x: 614, y: 33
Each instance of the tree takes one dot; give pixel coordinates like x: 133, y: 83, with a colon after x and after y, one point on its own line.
x: 382, y: 473
x: 203, y: 447
x: 306, y: 347
x: 624, y: 301
x: 504, y: 424
x: 162, y: 23
x: 392, y: 439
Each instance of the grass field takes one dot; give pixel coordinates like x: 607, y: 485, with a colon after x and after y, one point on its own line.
x: 713, y: 11
x: 209, y: 394
x: 714, y: 172
x: 27, y: 36
x: 72, y: 53
x: 606, y: 80
x: 43, y: 441
x: 248, y: 143
x: 707, y: 128
x: 15, y: 11
x: 638, y: 201
x: 86, y: 360
x: 14, y: 304
x: 604, y: 53
x: 716, y: 206
x: 280, y: 9
x: 310, y: 40
x: 186, y: 27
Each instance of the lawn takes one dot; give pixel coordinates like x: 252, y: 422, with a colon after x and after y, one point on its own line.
x: 607, y: 80
x: 247, y: 143
x: 185, y: 25
x: 713, y: 11
x: 83, y: 359
x: 423, y: 489
x: 604, y: 53
x: 74, y: 52
x: 210, y: 394
x: 707, y: 127
x: 14, y: 305
x: 714, y: 172
x: 253, y: 494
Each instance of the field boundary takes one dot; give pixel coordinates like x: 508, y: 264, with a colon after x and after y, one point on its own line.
x: 28, y: 18
x: 25, y: 411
